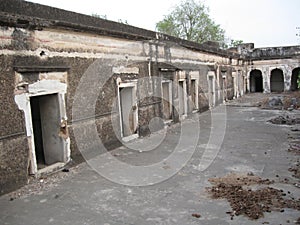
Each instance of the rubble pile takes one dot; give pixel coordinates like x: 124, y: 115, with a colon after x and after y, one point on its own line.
x: 288, y: 101
x: 285, y: 120
x: 248, y: 201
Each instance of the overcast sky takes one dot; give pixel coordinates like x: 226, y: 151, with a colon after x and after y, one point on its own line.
x: 263, y: 22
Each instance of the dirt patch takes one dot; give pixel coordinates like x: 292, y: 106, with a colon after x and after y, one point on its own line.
x: 251, y: 202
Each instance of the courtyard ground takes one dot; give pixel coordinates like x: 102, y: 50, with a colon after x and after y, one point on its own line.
x: 242, y: 170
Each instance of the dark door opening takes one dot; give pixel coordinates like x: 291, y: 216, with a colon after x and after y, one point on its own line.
x: 166, y: 98
x: 256, y: 81
x: 181, y: 98
x: 211, y: 91
x: 277, y: 81
x: 37, y: 130
x: 193, y: 94
x: 294, y: 79
x: 49, y: 147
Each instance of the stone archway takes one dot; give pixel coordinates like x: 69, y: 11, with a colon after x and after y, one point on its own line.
x: 277, y: 80
x: 294, y: 78
x: 256, y: 81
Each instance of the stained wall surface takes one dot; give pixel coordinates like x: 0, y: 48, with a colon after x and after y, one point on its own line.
x: 97, y: 57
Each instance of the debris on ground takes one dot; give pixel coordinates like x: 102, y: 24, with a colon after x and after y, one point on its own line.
x: 285, y: 120
x: 250, y: 201
x: 196, y: 215
x: 296, y: 170
x: 284, y: 101
x: 295, y: 147
x: 39, y: 185
x: 276, y: 101
x: 240, y: 179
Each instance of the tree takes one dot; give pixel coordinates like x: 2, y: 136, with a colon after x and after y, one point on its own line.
x: 190, y: 20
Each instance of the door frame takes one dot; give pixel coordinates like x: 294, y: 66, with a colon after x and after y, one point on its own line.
x: 185, y: 105
x: 195, y: 76
x: 170, y: 86
x: 131, y: 84
x: 211, y: 89
x: 43, y: 88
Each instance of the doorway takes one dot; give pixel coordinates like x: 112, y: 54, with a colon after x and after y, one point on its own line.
x: 277, y: 82
x: 256, y: 81
x: 182, y: 109
x: 294, y: 79
x: 194, y: 91
x: 167, y: 100
x: 211, y: 91
x: 193, y: 94
x: 48, y: 144
x: 128, y: 111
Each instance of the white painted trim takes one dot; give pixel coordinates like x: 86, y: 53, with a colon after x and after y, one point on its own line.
x: 170, y: 96
x: 133, y: 84
x: 43, y: 87
x: 182, y: 117
x: 213, y: 100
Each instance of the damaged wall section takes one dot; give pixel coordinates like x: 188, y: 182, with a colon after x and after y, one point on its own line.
x: 46, y: 59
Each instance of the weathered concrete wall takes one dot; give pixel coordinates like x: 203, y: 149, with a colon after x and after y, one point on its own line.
x: 13, y: 141
x: 14, y: 163
x: 286, y: 59
x: 89, y: 48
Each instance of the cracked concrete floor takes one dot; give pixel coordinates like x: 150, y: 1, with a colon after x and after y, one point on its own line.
x: 85, y: 197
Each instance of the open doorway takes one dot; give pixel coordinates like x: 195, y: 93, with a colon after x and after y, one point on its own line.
x: 48, y: 144
x: 256, y: 81
x: 167, y: 100
x: 211, y: 89
x: 294, y: 79
x: 277, y: 81
x: 128, y: 111
x: 182, y: 109
x: 194, y: 94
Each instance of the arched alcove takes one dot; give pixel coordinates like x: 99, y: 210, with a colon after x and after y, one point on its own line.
x: 294, y: 79
x: 277, y: 80
x: 256, y: 81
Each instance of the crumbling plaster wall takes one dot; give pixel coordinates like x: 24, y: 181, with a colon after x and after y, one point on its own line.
x: 55, y: 49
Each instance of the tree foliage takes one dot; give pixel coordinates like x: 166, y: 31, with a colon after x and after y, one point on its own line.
x: 190, y: 20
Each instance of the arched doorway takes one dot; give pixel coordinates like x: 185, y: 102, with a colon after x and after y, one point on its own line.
x: 277, y: 81
x: 295, y: 74
x: 256, y: 81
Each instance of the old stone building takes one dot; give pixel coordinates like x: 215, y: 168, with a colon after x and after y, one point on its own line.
x: 271, y: 69
x: 63, y: 72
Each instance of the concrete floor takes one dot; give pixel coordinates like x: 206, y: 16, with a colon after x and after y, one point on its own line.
x: 250, y: 144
